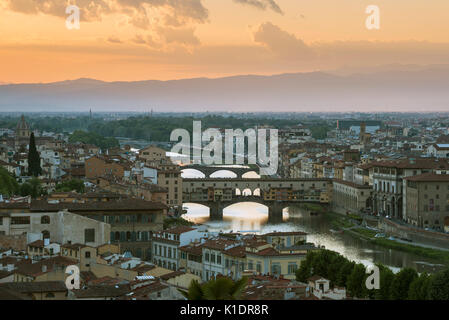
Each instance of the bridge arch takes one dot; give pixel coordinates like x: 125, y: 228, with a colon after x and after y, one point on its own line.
x: 222, y: 173
x: 250, y: 175
x: 192, y: 173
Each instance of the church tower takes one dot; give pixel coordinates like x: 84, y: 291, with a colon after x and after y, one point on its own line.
x: 23, y: 129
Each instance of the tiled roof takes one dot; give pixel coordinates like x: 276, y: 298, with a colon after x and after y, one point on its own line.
x: 102, y: 291
x: 114, y: 205
x: 31, y: 287
x: 429, y: 177
x: 352, y: 184
x: 290, y: 233
x: 36, y: 269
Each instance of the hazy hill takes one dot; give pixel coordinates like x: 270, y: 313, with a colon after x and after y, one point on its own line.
x: 394, y: 89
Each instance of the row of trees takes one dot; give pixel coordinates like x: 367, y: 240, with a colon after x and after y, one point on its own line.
x: 404, y: 285
x: 158, y: 128
x: 93, y: 138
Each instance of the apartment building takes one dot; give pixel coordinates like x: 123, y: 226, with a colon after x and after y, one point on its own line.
x: 350, y: 197
x: 166, y: 244
x: 428, y: 201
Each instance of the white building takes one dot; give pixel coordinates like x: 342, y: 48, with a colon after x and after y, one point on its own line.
x: 166, y: 244
x: 320, y: 288
x: 438, y: 150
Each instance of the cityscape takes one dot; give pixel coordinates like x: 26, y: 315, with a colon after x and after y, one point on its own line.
x: 351, y: 192
x: 225, y: 158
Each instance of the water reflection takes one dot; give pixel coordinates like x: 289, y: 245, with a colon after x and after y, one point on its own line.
x: 253, y: 217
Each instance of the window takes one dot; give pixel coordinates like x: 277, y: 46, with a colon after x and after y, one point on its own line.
x: 45, y: 220
x: 20, y: 220
x: 46, y: 234
x: 259, y: 267
x: 218, y: 259
x: 207, y: 257
x: 87, y: 254
x: 275, y: 268
x: 89, y: 235
x: 292, y: 267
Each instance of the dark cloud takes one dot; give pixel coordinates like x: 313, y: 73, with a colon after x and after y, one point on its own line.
x: 262, y: 4
x: 281, y: 42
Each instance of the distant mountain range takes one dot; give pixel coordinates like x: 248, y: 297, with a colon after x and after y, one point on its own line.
x: 390, y: 89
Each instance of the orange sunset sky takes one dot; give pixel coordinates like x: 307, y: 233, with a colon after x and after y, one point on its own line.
x: 126, y: 40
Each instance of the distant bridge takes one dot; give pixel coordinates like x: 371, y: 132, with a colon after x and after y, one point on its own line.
x: 276, y: 194
x: 209, y: 170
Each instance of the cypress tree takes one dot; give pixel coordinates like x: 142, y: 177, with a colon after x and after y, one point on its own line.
x: 34, y: 160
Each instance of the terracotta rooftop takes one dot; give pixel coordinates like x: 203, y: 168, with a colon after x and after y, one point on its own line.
x: 35, y: 287
x: 429, y: 177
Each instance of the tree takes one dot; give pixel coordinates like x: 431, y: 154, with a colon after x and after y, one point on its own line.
x: 74, y: 184
x: 419, y: 288
x: 401, y: 283
x: 356, y: 281
x: 222, y: 288
x: 34, y: 160
x: 8, y: 185
x: 439, y: 286
x: 386, y: 278
x: 31, y: 188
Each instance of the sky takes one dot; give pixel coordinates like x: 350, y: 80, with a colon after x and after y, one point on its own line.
x: 129, y: 40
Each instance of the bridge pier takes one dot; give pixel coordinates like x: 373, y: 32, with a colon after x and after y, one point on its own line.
x: 216, y: 211
x: 275, y: 212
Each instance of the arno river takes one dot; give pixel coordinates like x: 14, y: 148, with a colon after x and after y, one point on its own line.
x: 245, y: 217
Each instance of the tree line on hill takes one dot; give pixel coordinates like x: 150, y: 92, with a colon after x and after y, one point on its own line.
x: 155, y: 128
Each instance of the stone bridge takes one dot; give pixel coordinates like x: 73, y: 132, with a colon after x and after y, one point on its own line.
x: 276, y: 194
x: 209, y: 170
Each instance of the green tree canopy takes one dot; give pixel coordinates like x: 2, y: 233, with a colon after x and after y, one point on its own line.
x: 222, y: 288
x: 439, y: 286
x: 401, y: 283
x: 355, y: 283
x: 8, y: 185
x: 71, y: 185
x: 31, y: 188
x: 93, y: 138
x: 419, y: 288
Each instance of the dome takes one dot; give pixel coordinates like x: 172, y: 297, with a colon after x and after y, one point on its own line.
x: 22, y: 124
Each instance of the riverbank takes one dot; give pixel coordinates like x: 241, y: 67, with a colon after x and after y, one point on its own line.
x: 353, y: 227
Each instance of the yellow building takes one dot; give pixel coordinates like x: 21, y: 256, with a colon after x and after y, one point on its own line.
x: 269, y: 261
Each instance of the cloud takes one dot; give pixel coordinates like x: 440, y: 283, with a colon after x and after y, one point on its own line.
x: 93, y: 10
x: 90, y: 10
x: 114, y: 40
x: 184, y: 36
x: 262, y: 4
x: 281, y: 42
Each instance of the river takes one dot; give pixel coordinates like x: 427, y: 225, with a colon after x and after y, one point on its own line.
x: 253, y: 217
